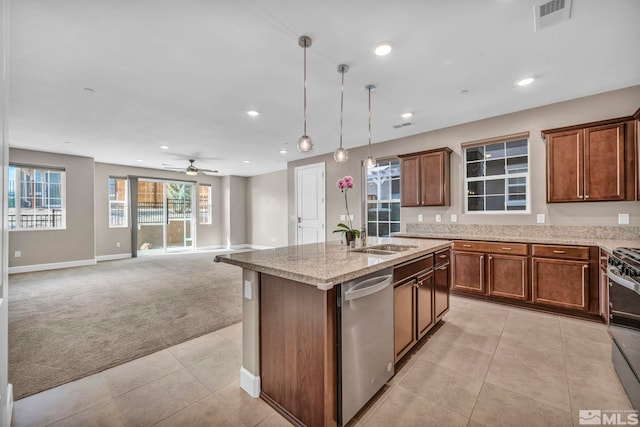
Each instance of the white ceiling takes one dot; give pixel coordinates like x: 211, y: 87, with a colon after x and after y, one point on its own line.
x: 183, y: 73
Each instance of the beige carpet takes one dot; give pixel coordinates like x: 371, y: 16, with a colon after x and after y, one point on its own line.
x: 67, y: 324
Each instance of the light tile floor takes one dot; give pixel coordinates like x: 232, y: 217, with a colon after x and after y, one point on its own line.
x: 486, y: 365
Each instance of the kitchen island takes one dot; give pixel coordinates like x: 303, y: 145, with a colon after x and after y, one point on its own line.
x: 290, y: 320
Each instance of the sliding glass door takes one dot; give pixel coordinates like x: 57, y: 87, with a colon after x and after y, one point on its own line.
x: 165, y: 217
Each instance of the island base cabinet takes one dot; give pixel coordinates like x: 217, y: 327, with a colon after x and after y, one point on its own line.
x: 561, y: 283
x: 297, y: 350
x: 404, y: 314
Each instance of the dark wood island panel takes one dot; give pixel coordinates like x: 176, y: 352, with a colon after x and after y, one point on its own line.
x: 297, y: 350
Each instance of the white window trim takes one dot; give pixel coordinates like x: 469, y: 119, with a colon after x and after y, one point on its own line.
x: 527, y: 175
x: 210, y: 206
x: 18, y: 190
x: 125, y: 203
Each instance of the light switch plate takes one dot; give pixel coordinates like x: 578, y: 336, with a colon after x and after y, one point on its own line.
x: 343, y: 217
x: 540, y: 218
x: 623, y: 218
x: 454, y: 218
x: 351, y: 217
x: 420, y: 217
x: 17, y: 254
x: 438, y: 218
x: 248, y: 292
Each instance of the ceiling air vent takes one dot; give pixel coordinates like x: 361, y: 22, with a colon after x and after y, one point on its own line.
x: 551, y: 13
x: 402, y: 125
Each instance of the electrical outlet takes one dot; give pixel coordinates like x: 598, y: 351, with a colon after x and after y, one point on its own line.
x: 17, y: 254
x: 454, y: 218
x: 438, y: 218
x: 420, y: 217
x: 540, y: 219
x: 623, y: 218
x: 117, y: 244
x: 247, y: 289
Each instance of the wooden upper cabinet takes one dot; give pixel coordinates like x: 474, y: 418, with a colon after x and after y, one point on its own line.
x: 410, y: 181
x: 604, y: 158
x: 425, y: 178
x: 594, y: 162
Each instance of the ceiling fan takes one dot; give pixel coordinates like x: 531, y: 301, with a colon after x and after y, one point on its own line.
x: 191, y: 169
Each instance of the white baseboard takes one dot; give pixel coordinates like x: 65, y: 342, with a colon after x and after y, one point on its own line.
x: 249, y: 383
x: 112, y: 257
x: 51, y: 266
x: 7, y: 411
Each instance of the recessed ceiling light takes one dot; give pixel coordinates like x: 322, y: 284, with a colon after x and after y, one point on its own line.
x: 164, y: 147
x: 382, y: 48
x: 525, y: 82
x: 283, y: 151
x: 139, y: 160
x: 246, y: 161
x: 407, y: 115
x: 253, y: 113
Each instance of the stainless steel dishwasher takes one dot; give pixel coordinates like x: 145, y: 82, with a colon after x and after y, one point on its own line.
x: 365, y: 335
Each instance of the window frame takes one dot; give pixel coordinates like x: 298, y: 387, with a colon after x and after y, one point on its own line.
x: 366, y: 201
x: 124, y: 203
x: 505, y: 176
x: 209, y: 220
x: 17, y: 195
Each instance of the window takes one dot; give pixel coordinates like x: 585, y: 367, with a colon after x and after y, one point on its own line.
x: 204, y: 206
x: 383, y: 198
x: 36, y: 198
x: 497, y: 176
x: 117, y: 202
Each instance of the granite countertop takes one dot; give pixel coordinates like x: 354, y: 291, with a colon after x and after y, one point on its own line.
x: 606, y: 244
x: 327, y: 264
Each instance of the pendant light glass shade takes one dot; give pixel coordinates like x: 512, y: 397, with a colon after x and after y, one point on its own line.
x: 304, y: 143
x: 371, y: 161
x: 341, y: 155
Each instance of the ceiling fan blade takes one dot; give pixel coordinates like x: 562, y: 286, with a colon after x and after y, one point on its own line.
x: 208, y: 170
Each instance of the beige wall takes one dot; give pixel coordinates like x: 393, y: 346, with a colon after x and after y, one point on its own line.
x: 234, y: 202
x: 107, y: 238
x: 266, y: 209
x: 77, y: 241
x: 593, y: 108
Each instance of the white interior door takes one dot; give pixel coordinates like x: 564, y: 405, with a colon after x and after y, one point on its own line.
x: 310, y: 204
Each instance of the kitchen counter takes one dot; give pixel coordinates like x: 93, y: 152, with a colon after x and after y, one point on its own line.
x: 327, y: 264
x: 606, y: 244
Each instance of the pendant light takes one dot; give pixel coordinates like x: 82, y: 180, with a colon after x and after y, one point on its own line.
x: 304, y: 143
x: 371, y: 161
x: 341, y: 155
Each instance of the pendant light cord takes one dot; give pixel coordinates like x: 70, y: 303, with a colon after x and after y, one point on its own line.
x: 341, y: 105
x: 305, y: 87
x: 369, y: 121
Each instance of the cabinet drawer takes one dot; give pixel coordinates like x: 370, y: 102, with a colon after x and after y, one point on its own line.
x: 492, y: 247
x: 442, y: 257
x: 411, y: 268
x: 563, y: 252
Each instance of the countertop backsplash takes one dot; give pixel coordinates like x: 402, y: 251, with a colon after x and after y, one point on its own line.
x: 529, y: 231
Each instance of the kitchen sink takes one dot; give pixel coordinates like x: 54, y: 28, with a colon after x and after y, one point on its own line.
x: 373, y: 251
x: 393, y: 248
x: 385, y: 249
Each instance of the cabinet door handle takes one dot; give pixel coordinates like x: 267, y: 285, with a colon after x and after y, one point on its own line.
x: 586, y: 196
x: 482, y: 272
x: 443, y: 256
x: 557, y: 252
x: 507, y: 249
x: 466, y: 246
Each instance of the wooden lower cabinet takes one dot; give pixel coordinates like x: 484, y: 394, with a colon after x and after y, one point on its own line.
x: 404, y: 314
x: 468, y: 272
x: 441, y: 282
x: 561, y: 283
x: 507, y: 276
x: 424, y: 304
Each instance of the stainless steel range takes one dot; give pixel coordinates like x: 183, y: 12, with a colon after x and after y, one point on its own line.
x: 624, y: 327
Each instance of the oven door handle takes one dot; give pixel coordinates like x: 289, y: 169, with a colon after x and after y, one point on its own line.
x: 621, y: 280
